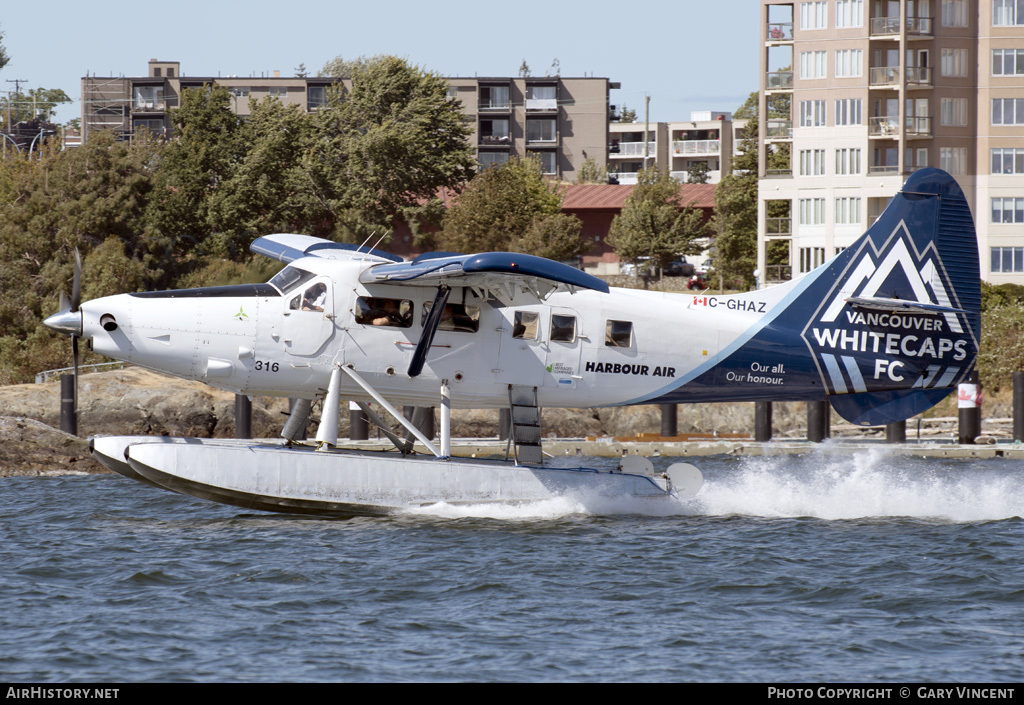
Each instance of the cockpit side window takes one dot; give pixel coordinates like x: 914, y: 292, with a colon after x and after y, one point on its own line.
x: 376, y: 311
x: 563, y: 328
x: 618, y: 334
x: 290, y: 278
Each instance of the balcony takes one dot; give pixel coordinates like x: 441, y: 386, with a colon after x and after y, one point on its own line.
x: 714, y: 176
x: 785, y: 173
x: 486, y: 105
x: 779, y: 81
x: 888, y: 126
x: 779, y: 129
x: 624, y: 178
x: 884, y: 169
x: 884, y: 76
x: 636, y: 149
x: 495, y: 140
x: 919, y: 77
x: 778, y: 226
x: 918, y: 126
x: 890, y: 26
x: 687, y: 147
x: 778, y: 272
x: 539, y: 104
x: 780, y: 32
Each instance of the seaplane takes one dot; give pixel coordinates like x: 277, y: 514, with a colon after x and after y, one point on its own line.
x: 883, y: 331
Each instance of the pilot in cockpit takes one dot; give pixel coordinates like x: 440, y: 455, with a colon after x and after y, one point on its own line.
x: 315, y: 298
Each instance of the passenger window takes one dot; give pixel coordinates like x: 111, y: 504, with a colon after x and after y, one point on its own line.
x: 456, y: 317
x: 618, y: 334
x: 563, y: 328
x: 373, y: 311
x: 526, y: 324
x: 293, y: 305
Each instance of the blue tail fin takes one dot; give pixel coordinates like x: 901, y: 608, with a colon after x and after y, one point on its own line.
x: 897, y: 321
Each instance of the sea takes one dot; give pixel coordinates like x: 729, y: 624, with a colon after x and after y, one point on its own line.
x: 833, y: 566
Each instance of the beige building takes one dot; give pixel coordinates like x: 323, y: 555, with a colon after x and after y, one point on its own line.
x: 561, y: 121
x: 710, y: 137
x: 857, y: 95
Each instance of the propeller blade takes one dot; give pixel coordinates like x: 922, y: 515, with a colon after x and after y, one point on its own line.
x: 64, y: 304
x: 74, y: 365
x: 76, y: 286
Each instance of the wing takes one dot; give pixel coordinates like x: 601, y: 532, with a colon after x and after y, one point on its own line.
x: 493, y: 275
x: 288, y: 247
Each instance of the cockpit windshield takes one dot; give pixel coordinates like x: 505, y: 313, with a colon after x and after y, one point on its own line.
x: 290, y: 278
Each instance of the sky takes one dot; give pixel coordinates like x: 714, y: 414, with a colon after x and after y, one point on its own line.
x: 686, y: 55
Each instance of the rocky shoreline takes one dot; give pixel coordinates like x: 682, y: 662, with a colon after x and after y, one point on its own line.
x: 135, y: 401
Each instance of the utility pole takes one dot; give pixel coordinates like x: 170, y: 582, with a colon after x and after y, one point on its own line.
x: 17, y: 91
x: 647, y: 137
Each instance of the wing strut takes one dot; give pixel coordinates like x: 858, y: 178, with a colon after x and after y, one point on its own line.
x: 419, y: 357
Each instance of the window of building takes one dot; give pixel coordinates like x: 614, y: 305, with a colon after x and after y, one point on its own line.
x: 1008, y: 210
x: 847, y: 161
x: 813, y: 64
x: 1008, y: 111
x: 1008, y: 62
x: 848, y: 111
x: 813, y: 15
x: 953, y: 62
x: 154, y: 125
x: 316, y: 97
x: 1007, y: 259
x: 848, y: 63
x: 148, y: 97
x: 618, y: 334
x: 1007, y: 160
x: 547, y: 161
x: 915, y: 158
x: 811, y: 258
x: 563, y: 328
x: 954, y: 13
x: 376, y: 311
x: 540, y: 130
x: 525, y: 326
x: 847, y: 211
x: 812, y: 113
x: 239, y: 91
x: 953, y: 111
x: 494, y: 98
x: 489, y: 159
x: 953, y: 159
x: 812, y: 162
x: 812, y: 211
x: 1007, y: 13
x: 849, y: 13
x: 535, y: 92
x: 461, y: 318
x: 495, y: 131
x: 170, y: 72
x: 278, y: 91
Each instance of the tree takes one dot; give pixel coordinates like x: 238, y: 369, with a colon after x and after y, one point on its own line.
x: 524, y: 70
x: 344, y: 68
x: 300, y: 70
x: 736, y: 206
x: 654, y: 227
x: 37, y: 103
x: 4, y: 58
x: 627, y: 114
x: 697, y: 173
x: 592, y: 173
x: 381, y: 150
x: 512, y: 208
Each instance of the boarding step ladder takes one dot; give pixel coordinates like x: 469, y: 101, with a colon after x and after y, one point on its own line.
x: 525, y: 419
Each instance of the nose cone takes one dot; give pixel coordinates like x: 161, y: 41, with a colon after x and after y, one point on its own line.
x: 68, y: 322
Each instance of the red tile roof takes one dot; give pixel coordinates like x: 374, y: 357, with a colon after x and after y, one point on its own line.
x: 612, y: 197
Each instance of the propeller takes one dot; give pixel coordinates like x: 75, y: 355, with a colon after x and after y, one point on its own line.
x: 69, y: 319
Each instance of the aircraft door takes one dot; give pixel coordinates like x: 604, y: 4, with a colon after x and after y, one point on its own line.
x: 308, y: 318
x: 522, y: 347
x: 562, y: 365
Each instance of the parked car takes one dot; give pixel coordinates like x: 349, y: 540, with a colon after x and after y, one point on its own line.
x: 680, y: 268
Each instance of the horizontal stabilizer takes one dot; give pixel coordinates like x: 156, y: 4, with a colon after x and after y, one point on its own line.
x: 502, y: 273
x: 288, y: 247
x: 881, y: 408
x: 882, y: 304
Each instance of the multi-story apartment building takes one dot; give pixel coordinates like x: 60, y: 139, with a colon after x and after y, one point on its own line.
x: 709, y: 137
x: 560, y: 121
x: 855, y: 95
